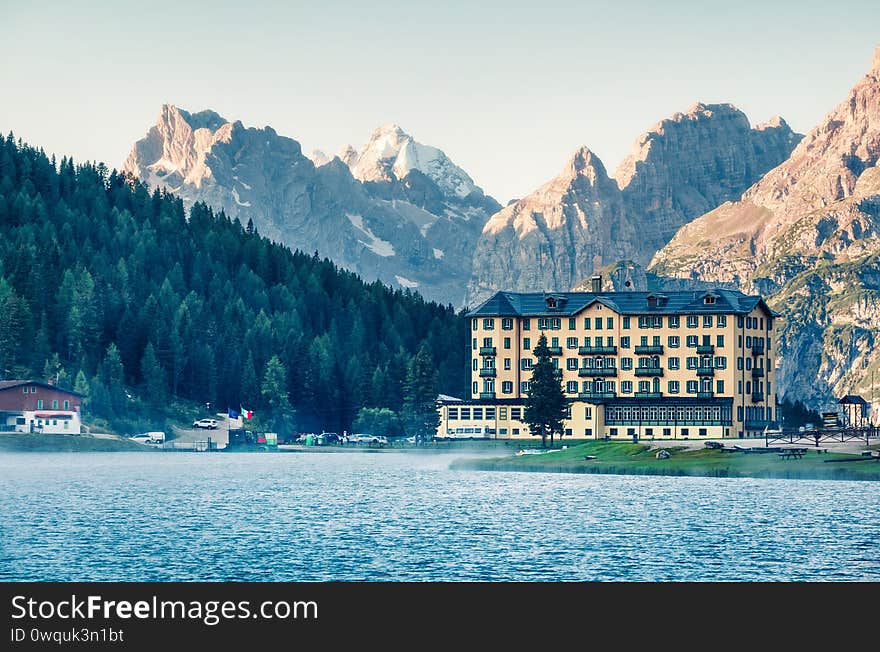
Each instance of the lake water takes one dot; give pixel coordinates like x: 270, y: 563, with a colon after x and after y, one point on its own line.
x: 401, y: 516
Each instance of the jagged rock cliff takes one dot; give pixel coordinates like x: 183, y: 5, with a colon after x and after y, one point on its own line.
x: 413, y: 231
x: 692, y: 162
x: 679, y: 169
x: 808, y: 236
x: 554, y: 237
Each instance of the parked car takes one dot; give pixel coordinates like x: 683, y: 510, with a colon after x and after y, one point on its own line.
x: 210, y: 424
x: 367, y: 438
x: 326, y: 438
x: 143, y: 438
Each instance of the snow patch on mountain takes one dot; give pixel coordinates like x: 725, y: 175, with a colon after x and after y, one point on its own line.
x: 405, y: 282
x: 238, y: 199
x: 375, y: 244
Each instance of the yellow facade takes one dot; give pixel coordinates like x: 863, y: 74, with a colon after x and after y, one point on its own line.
x: 654, y: 374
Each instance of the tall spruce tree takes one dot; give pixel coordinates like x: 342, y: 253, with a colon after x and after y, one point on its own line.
x: 545, y: 407
x: 275, y: 396
x: 420, y: 414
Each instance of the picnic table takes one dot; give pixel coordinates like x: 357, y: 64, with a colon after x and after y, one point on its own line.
x: 792, y: 453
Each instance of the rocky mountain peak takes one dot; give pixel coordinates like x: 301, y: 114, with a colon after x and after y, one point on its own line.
x: 584, y: 163
x: 348, y: 155
x: 174, y: 150
x: 807, y: 237
x: 875, y: 62
x: 318, y: 157
x: 391, y: 154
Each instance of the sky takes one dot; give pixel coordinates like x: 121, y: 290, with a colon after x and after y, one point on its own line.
x: 507, y: 89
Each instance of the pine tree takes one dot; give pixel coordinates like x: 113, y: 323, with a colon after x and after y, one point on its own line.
x: 275, y: 396
x: 154, y: 377
x: 545, y: 407
x: 420, y: 414
x: 81, y: 386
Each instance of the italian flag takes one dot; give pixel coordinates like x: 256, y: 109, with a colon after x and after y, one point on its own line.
x: 247, y: 414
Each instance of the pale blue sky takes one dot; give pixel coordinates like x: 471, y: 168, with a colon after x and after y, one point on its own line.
x: 509, y: 90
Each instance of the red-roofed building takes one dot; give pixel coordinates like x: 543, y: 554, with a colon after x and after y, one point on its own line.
x: 34, y: 406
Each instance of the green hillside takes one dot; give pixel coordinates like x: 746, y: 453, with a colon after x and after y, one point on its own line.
x: 153, y: 311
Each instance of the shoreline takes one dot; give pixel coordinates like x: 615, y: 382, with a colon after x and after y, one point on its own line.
x: 640, y: 459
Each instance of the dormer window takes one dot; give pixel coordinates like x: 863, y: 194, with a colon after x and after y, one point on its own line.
x: 709, y: 298
x: 554, y: 302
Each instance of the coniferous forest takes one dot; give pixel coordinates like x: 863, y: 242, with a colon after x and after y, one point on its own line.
x: 148, y: 309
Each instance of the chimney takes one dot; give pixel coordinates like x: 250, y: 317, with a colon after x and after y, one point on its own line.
x: 596, y: 283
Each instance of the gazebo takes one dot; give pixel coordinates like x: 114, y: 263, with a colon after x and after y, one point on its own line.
x: 856, y: 410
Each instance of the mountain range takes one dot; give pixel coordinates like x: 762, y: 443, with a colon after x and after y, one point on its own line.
x: 703, y: 197
x: 397, y: 211
x: 807, y: 236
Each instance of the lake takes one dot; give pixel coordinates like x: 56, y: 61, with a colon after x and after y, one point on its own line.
x: 394, y: 516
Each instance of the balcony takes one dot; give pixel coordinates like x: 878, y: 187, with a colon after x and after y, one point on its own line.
x: 757, y: 372
x: 486, y: 372
x: 487, y: 395
x: 759, y: 425
x: 649, y: 371
x: 555, y: 350
x: 487, y: 350
x: 648, y: 394
x: 597, y: 396
x: 652, y: 349
x: 757, y: 398
x: 707, y: 349
x: 757, y: 347
x: 705, y: 394
x: 586, y: 372
x: 705, y: 371
x: 597, y: 350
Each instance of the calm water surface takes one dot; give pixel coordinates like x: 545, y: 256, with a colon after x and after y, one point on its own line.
x: 402, y: 516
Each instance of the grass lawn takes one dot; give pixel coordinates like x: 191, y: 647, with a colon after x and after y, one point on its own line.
x: 26, y: 443
x: 638, y: 459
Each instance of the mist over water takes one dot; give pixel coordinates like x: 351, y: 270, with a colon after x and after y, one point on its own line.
x: 395, y: 516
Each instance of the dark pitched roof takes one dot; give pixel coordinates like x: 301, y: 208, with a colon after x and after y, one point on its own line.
x: 8, y: 384
x: 682, y: 302
x: 852, y: 399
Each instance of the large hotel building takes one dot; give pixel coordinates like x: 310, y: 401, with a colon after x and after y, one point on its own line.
x: 684, y: 364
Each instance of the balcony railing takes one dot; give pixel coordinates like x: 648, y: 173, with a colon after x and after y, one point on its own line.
x: 757, y: 372
x: 486, y: 372
x: 648, y: 394
x: 586, y: 372
x: 487, y: 350
x: 649, y: 371
x: 707, y: 349
x: 597, y: 395
x: 757, y: 398
x: 487, y: 395
x: 555, y: 350
x: 653, y: 348
x: 597, y: 350
x: 705, y: 371
x: 705, y: 394
x: 757, y: 347
x: 758, y: 425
